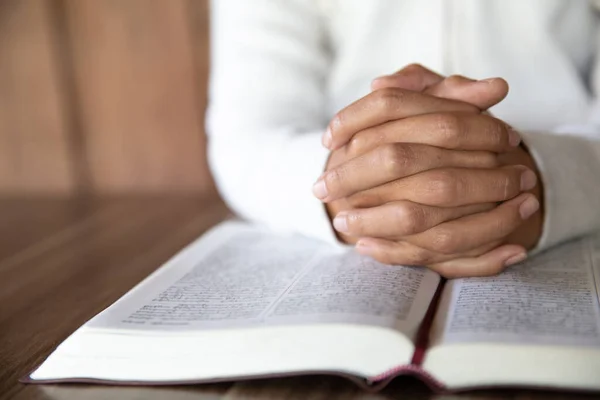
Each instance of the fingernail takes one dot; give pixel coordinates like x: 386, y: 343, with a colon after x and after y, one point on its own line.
x: 515, y: 259
x: 528, y: 180
x: 514, y: 139
x: 488, y: 80
x: 529, y: 207
x: 340, y: 222
x: 320, y: 189
x: 327, y: 138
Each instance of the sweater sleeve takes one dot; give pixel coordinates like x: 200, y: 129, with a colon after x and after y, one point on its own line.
x: 570, y: 170
x: 569, y: 161
x: 266, y: 114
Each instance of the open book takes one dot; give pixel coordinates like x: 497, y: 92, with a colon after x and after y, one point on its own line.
x: 242, y: 302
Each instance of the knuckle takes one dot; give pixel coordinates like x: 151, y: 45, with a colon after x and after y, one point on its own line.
x: 364, y: 199
x: 443, y: 186
x: 494, y: 269
x: 396, y: 157
x: 387, y: 99
x: 337, y: 121
x: 357, y: 144
x: 384, y: 257
x: 414, y: 67
x: 503, y: 226
x: 365, y: 141
x: 449, y: 127
x: 418, y: 73
x: 506, y: 186
x: 454, y: 80
x: 355, y: 223
x: 509, y: 184
x: 409, y: 218
x: 489, y: 160
x: 444, y: 241
x: 334, y: 180
x: 420, y: 256
x: 446, y: 270
x: 497, y: 132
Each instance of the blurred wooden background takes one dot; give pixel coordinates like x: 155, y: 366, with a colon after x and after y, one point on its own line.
x: 103, y: 96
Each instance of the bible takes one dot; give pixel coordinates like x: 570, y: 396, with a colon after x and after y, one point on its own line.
x: 242, y: 302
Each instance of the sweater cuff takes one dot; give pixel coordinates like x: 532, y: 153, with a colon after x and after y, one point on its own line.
x: 569, y: 168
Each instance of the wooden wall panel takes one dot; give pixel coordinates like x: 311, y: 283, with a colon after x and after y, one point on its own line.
x: 139, y: 98
x: 34, y: 148
x: 199, y: 28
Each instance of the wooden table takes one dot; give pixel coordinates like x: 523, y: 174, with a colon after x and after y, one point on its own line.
x: 64, y: 260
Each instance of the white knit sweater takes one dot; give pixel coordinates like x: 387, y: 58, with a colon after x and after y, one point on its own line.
x: 282, y: 68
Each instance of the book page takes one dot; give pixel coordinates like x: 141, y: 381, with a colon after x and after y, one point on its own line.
x: 551, y: 299
x: 595, y: 249
x: 537, y: 324
x: 240, y: 276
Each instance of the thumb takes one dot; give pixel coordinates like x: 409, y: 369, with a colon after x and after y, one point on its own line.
x: 482, y: 94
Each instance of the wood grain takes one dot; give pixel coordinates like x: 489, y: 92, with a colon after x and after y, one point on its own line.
x: 64, y: 268
x: 139, y: 95
x: 98, y: 256
x: 34, y: 148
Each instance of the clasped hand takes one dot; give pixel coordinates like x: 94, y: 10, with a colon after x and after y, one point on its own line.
x: 419, y: 174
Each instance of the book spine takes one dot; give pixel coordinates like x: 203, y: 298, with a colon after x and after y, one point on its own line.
x: 422, y: 340
x: 378, y: 382
x: 421, y: 345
